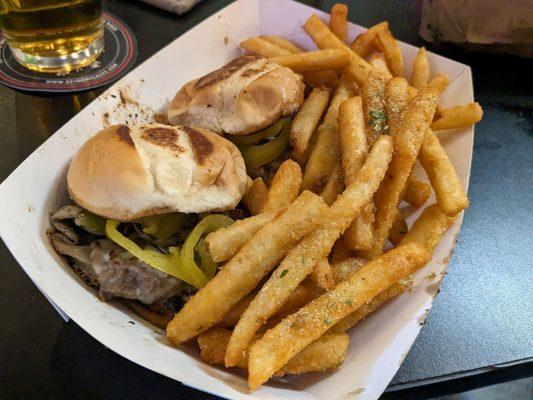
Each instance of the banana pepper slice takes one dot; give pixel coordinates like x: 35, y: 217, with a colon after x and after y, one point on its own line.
x: 257, y: 155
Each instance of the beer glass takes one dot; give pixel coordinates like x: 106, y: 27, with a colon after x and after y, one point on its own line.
x: 53, y: 35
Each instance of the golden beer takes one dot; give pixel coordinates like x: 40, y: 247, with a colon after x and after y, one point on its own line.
x: 53, y: 35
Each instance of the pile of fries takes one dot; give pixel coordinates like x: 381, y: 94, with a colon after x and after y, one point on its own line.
x: 312, y: 260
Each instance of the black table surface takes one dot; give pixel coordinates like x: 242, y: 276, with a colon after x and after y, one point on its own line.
x: 480, y: 328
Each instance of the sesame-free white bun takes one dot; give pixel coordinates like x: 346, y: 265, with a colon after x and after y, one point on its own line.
x: 244, y: 96
x: 125, y: 172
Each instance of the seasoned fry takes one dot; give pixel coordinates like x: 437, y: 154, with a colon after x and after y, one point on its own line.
x: 270, y: 353
x: 255, y: 196
x: 396, y: 95
x: 391, y: 51
x: 448, y: 188
x: 417, y: 191
x: 263, y: 47
x: 398, y: 229
x: 334, y: 186
x: 284, y: 187
x: 408, y: 138
x: 420, y: 76
x: 325, y: 39
x: 373, y: 95
x: 360, y: 233
x: 351, y: 319
x: 322, y: 275
x: 244, y: 271
x: 326, y: 353
x: 283, y: 43
x: 326, y: 149
x: 343, y: 269
x: 298, y: 298
x: 411, y: 93
x: 458, y: 117
x: 305, y: 122
x: 354, y: 147
x: 301, y: 260
x: 337, y: 20
x: 429, y: 228
x: 365, y: 43
x: 377, y: 60
x: 224, y: 243
x: 314, y: 61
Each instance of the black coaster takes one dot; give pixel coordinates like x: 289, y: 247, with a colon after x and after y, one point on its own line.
x: 119, y: 55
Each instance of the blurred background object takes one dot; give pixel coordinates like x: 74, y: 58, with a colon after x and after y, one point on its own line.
x: 489, y: 25
x: 175, y: 6
x: 53, y: 35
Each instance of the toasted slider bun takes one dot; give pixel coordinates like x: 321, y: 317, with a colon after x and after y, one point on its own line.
x: 126, y: 172
x: 244, y: 96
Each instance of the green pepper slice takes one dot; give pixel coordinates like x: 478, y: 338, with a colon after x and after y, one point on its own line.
x: 207, y: 225
x: 90, y: 222
x: 164, y: 226
x: 206, y: 262
x: 257, y: 155
x: 271, y: 131
x: 167, y: 263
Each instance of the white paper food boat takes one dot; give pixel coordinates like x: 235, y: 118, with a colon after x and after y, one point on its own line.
x: 378, y: 345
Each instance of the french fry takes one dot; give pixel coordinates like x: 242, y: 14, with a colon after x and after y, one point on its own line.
x: 359, y: 235
x: 448, y: 188
x: 337, y: 20
x: 398, y: 229
x: 284, y: 187
x: 417, y: 191
x: 396, y: 94
x: 458, y: 117
x: 322, y: 275
x: 429, y: 228
x: 408, y: 138
x: 343, y: 269
x: 365, y: 43
x: 263, y: 47
x: 273, y: 46
x: 283, y: 43
x: 270, y: 353
x: 301, y: 260
x: 334, y: 186
x: 440, y: 82
x: 156, y: 319
x: 224, y: 243
x: 325, y: 39
x: 391, y: 51
x: 373, y: 95
x: 305, y: 122
x: 327, y: 353
x: 314, y: 61
x: 298, y: 298
x: 377, y: 60
x: 362, y: 312
x: 255, y: 196
x: 420, y: 76
x: 326, y: 149
x: 354, y: 146
x: 411, y: 93
x: 242, y: 273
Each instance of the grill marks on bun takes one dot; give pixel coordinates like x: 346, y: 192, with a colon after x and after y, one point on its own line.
x: 125, y: 173
x: 246, y: 95
x: 201, y: 145
x: 224, y: 72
